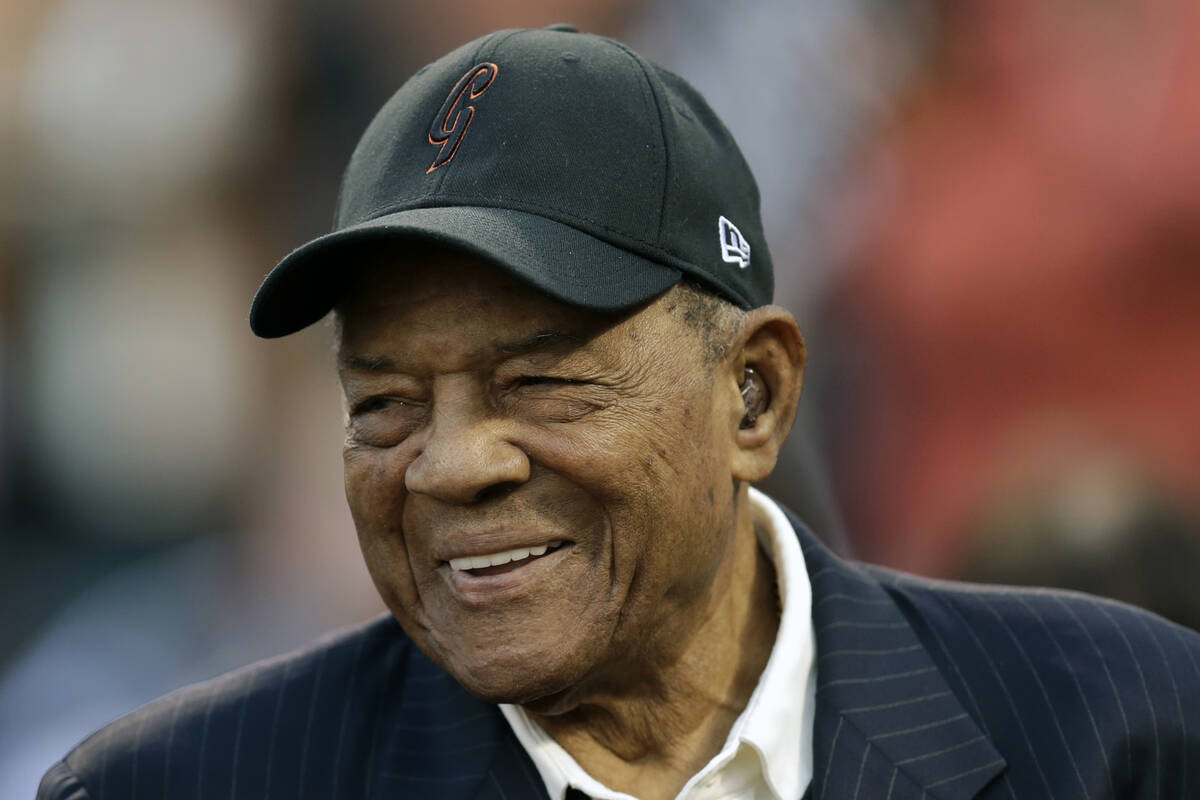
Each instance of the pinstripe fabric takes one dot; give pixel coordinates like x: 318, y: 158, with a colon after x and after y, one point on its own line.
x: 886, y: 720
x: 362, y: 714
x: 930, y: 689
x: 926, y: 691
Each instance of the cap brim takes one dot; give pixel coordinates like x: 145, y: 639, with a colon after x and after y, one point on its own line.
x: 562, y: 261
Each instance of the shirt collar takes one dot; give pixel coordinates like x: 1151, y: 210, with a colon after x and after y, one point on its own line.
x: 778, y: 719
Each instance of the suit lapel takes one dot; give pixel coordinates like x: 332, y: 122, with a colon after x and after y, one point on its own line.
x: 442, y: 742
x: 887, y: 723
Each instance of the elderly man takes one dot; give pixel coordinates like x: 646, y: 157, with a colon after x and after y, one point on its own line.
x: 562, y: 373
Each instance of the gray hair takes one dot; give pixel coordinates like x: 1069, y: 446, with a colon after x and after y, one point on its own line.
x: 715, y: 320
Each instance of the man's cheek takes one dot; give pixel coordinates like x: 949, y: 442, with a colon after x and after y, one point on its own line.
x: 391, y: 570
x: 374, y: 488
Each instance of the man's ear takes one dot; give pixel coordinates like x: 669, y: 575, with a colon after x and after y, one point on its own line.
x: 768, y: 369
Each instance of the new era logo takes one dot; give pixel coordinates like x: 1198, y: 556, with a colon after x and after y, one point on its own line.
x: 734, y: 247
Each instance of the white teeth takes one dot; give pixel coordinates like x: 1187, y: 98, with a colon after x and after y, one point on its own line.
x: 510, y: 555
x: 503, y: 557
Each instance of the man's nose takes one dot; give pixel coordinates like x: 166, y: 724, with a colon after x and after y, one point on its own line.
x: 466, y: 460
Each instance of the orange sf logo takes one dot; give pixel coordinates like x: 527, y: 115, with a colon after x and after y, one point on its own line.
x: 451, y: 123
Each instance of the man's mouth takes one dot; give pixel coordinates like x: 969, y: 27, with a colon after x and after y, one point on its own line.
x: 502, y: 561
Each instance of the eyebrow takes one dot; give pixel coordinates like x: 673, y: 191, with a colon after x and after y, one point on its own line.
x: 542, y: 340
x: 366, y: 363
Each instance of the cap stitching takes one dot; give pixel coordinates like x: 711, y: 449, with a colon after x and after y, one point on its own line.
x: 662, y: 132
x: 441, y: 178
x: 492, y: 41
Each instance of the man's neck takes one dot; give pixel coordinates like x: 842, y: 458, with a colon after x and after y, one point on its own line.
x: 652, y: 736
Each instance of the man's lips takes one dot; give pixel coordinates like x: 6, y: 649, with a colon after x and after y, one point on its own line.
x: 515, y: 571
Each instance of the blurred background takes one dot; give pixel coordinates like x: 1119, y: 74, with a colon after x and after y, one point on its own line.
x: 984, y: 215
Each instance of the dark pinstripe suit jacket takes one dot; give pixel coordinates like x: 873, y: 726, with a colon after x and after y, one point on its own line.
x: 925, y: 690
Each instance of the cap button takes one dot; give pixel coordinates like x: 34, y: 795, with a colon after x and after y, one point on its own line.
x: 562, y: 26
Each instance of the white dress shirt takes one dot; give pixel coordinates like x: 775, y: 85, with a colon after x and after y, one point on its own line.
x: 768, y: 754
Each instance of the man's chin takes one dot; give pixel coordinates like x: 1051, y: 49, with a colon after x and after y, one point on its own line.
x: 510, y: 662
x: 518, y: 684
x: 534, y: 678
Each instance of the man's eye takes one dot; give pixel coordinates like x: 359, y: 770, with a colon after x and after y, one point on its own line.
x: 383, y: 421
x: 544, y: 380
x: 550, y: 398
x: 372, y: 404
x: 377, y: 404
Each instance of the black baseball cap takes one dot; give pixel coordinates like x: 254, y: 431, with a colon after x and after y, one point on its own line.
x: 564, y: 158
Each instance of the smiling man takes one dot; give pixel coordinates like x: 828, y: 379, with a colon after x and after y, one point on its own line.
x: 544, y: 498
x: 562, y: 372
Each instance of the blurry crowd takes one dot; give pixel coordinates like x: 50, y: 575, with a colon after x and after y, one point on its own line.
x: 983, y: 215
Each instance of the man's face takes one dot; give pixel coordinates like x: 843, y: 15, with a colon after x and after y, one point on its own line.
x: 589, y: 453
